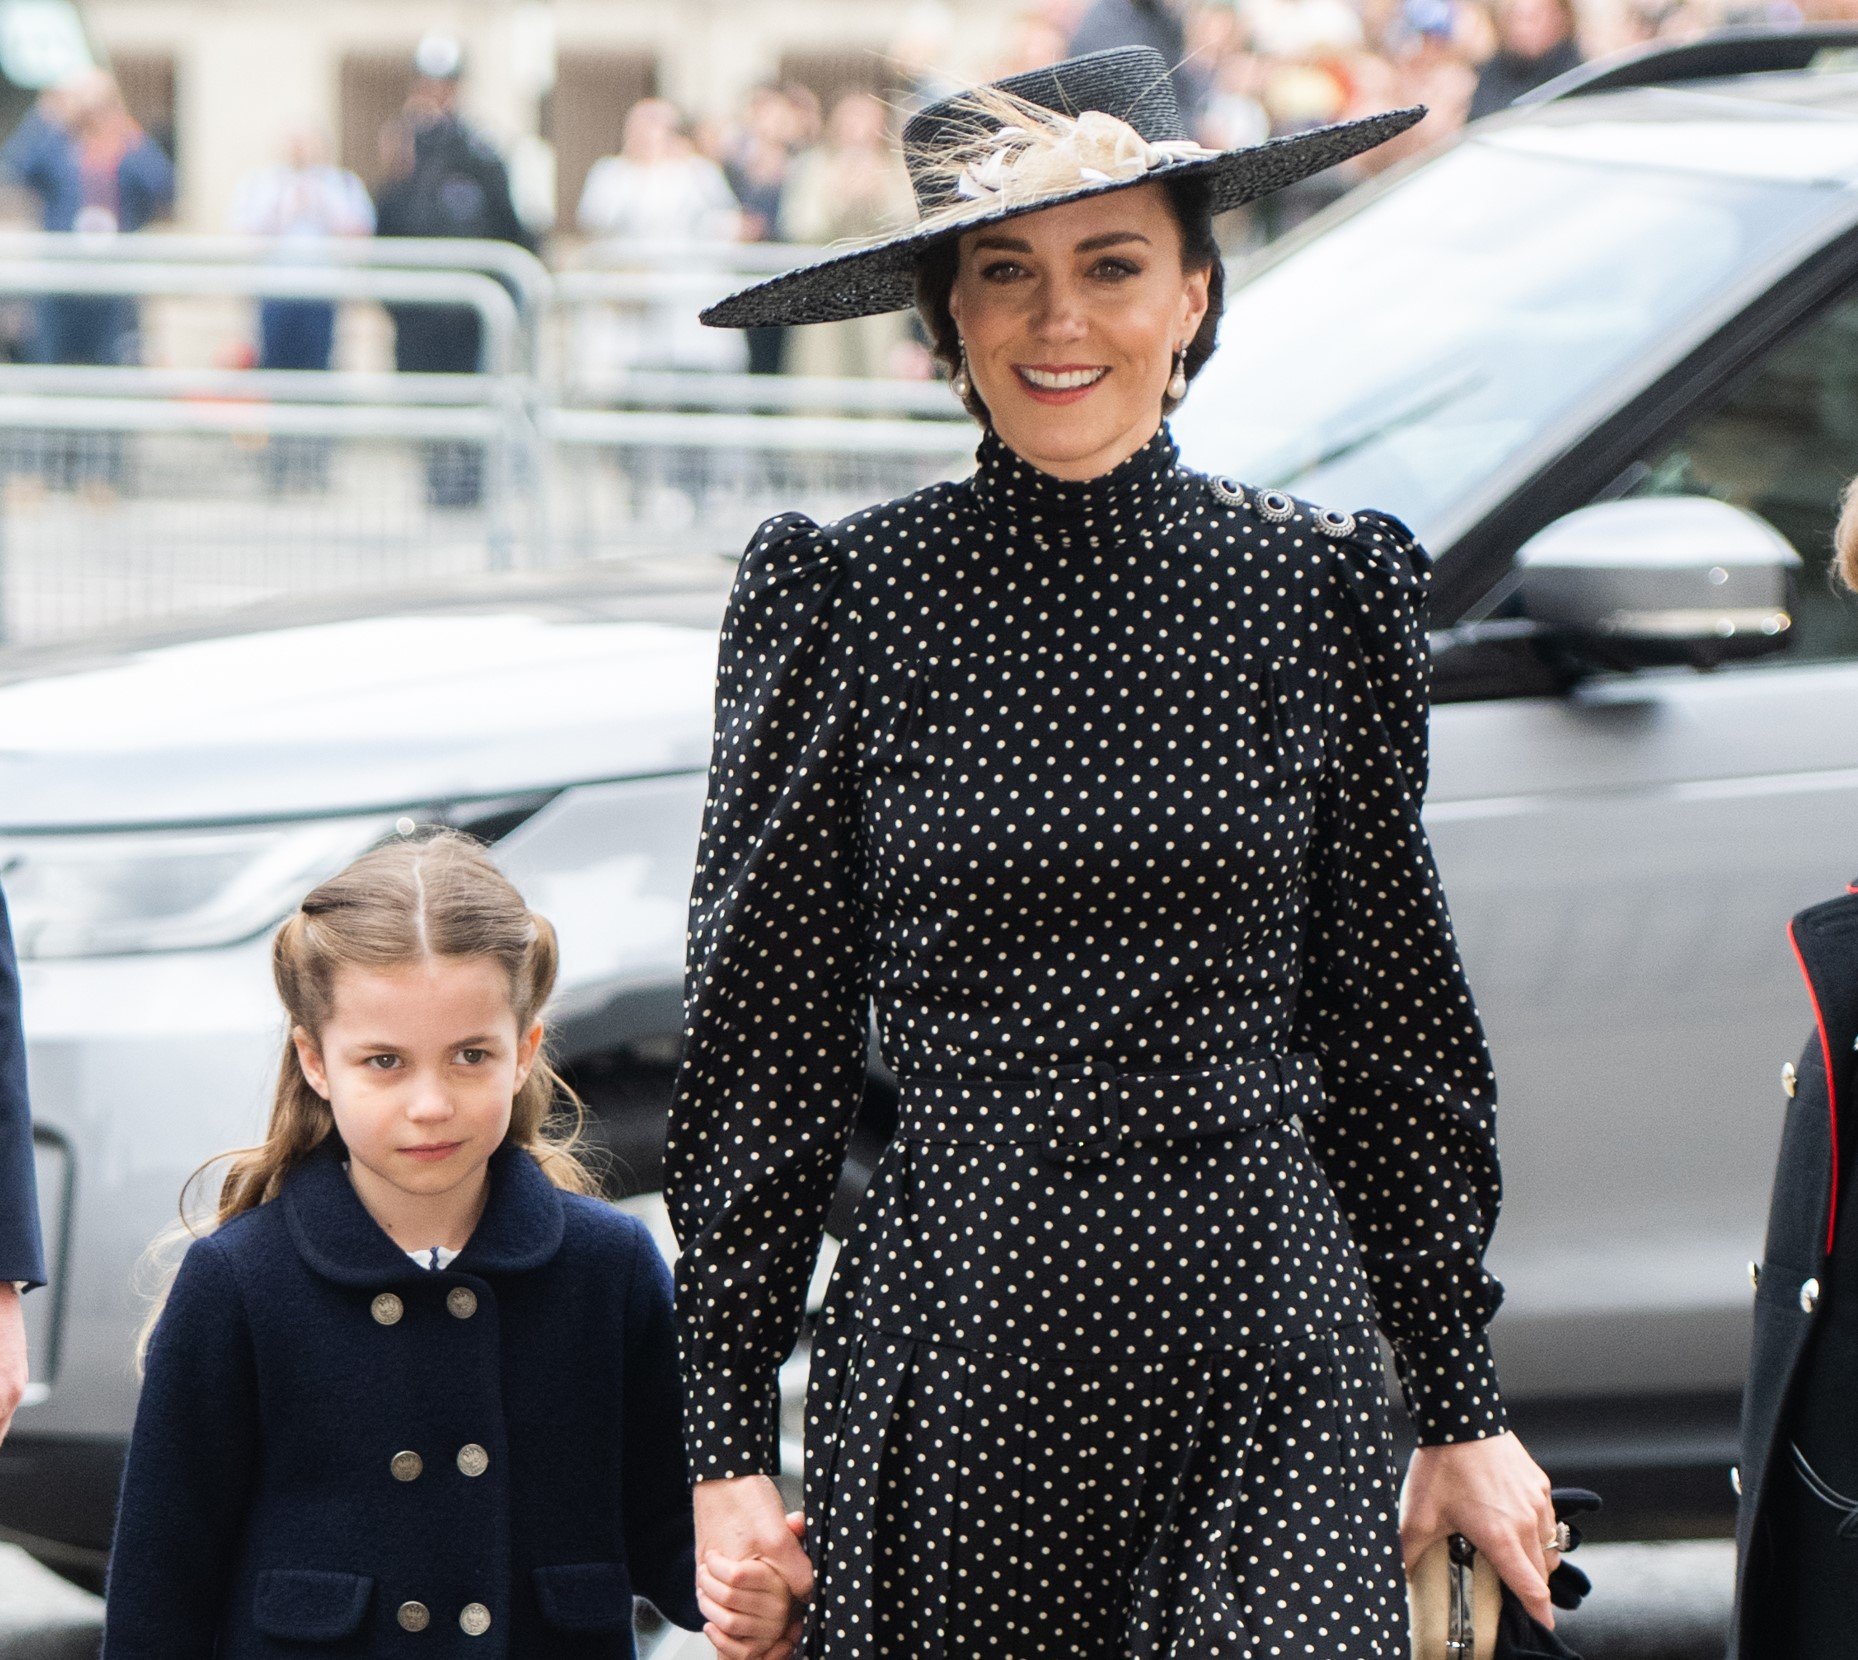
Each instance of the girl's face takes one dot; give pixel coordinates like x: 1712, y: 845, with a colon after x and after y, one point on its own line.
x: 420, y: 1065
x: 1071, y: 318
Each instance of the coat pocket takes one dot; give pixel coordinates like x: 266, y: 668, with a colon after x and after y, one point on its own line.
x: 585, y: 1596
x: 309, y: 1605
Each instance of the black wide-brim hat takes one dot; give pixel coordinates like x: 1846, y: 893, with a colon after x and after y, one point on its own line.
x: 1084, y: 127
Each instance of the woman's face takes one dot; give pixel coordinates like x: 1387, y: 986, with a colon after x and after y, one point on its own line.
x: 1071, y: 318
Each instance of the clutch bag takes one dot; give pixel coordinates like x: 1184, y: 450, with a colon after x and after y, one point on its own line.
x: 1454, y: 1598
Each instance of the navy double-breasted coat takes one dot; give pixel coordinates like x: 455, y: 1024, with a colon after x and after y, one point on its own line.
x: 340, y: 1453
x: 21, y: 1256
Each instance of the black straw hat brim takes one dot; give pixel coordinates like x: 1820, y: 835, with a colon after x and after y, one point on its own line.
x: 881, y: 276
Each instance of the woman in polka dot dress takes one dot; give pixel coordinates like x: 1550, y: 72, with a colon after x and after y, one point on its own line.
x: 1099, y: 781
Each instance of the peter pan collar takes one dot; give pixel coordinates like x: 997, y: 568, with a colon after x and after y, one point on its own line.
x: 521, y: 1227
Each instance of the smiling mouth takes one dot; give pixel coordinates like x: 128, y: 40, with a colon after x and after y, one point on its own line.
x: 433, y: 1149
x: 1060, y: 380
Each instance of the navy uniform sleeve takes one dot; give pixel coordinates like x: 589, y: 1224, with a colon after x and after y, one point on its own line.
x: 775, y: 995
x: 188, y: 1479
x: 661, y: 1544
x: 1407, y: 1134
x: 22, y: 1255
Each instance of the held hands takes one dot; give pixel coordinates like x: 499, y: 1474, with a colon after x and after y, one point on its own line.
x: 1496, y: 1495
x: 752, y: 1575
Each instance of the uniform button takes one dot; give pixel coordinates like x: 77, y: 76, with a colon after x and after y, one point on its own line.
x: 413, y: 1616
x: 474, y: 1619
x: 462, y: 1301
x: 387, y: 1309
x: 406, y: 1466
x: 1790, y: 1079
x: 1809, y: 1295
x: 1735, y: 1479
x: 472, y: 1459
x: 1754, y: 1275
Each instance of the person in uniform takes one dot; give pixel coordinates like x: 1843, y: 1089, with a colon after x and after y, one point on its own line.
x: 1797, y: 1523
x: 1099, y: 780
x: 417, y: 1392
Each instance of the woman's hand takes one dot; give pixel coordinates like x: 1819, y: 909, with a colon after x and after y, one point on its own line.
x: 1497, y: 1496
x: 742, y: 1523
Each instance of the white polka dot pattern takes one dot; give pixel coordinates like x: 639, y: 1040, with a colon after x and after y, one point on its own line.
x: 1125, y: 772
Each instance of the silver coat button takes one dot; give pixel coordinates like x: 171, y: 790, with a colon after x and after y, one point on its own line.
x: 387, y: 1309
x: 1754, y: 1275
x: 413, y: 1616
x: 472, y: 1459
x: 1790, y: 1079
x: 1809, y: 1295
x: 1735, y: 1479
x: 462, y: 1301
x: 474, y: 1619
x: 406, y: 1466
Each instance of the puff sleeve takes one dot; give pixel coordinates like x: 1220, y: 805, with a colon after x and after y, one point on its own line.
x: 775, y: 994
x: 1407, y: 1135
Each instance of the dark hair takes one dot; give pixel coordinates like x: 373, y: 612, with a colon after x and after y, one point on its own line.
x: 1191, y: 200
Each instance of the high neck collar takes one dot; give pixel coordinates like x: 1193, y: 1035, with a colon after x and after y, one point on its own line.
x: 1131, y: 494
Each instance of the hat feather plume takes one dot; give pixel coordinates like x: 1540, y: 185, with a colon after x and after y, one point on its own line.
x: 1014, y: 152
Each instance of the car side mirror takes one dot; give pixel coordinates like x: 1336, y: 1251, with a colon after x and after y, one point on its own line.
x: 1659, y: 579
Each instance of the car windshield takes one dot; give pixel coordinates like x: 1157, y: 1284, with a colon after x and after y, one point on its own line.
x: 1401, y: 357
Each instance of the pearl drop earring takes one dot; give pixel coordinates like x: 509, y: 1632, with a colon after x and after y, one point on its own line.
x: 959, y: 383
x: 1177, y: 387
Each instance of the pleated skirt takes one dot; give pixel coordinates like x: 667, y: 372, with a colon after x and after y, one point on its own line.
x: 1180, y: 1457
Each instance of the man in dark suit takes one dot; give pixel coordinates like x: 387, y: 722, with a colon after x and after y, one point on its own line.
x: 22, y: 1261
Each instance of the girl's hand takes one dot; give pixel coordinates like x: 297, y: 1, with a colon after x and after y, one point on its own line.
x: 752, y: 1613
x: 1497, y: 1496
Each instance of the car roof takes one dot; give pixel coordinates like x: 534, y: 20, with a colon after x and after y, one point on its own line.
x: 1796, y: 127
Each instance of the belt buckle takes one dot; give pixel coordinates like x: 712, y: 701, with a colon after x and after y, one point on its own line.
x: 1081, y: 1107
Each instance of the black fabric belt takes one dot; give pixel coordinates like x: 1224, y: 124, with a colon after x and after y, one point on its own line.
x: 1081, y: 1111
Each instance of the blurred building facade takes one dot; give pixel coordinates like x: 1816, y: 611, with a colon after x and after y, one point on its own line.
x: 550, y: 80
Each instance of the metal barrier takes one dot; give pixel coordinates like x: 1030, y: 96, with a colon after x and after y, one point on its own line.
x: 132, y: 495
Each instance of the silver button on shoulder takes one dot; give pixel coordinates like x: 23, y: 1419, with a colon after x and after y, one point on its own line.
x: 1335, y: 522
x: 1735, y: 1479
x: 413, y: 1616
x: 1228, y: 491
x: 474, y: 1619
x: 1790, y: 1080
x: 1809, y: 1296
x: 472, y: 1459
x: 1754, y: 1275
x: 387, y: 1309
x: 462, y: 1301
x: 1276, y: 506
x: 406, y: 1466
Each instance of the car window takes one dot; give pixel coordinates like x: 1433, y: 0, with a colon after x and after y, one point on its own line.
x: 1409, y: 351
x: 1782, y: 442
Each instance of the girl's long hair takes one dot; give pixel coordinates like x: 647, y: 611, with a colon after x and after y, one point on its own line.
x: 1845, y: 538
x: 435, y: 895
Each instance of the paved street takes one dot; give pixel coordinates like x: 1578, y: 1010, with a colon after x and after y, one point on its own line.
x: 1650, y: 1602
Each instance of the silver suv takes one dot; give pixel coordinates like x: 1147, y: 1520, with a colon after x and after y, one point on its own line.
x: 1602, y: 353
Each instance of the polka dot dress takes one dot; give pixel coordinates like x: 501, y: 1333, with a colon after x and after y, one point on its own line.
x: 1104, y: 797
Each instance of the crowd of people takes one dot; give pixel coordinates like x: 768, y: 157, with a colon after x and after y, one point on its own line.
x: 789, y: 166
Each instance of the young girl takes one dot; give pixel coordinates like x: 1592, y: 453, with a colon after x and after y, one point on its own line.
x: 416, y: 1394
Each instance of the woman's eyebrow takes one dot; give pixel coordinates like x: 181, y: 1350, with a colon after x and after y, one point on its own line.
x: 1090, y: 244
